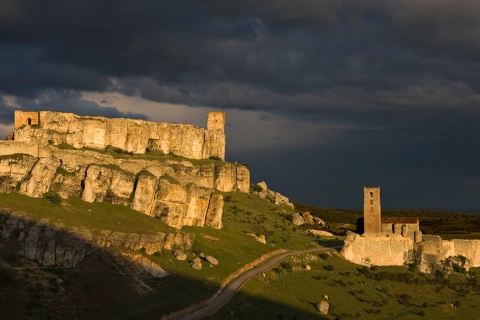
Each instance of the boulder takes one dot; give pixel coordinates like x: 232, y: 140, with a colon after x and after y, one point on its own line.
x: 211, y: 260
x: 197, y: 264
x: 180, y: 255
x: 308, y: 217
x: 297, y: 219
x: 320, y: 233
x: 323, y: 306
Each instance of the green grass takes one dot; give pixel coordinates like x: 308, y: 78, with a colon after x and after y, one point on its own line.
x: 74, y: 213
x: 291, y: 292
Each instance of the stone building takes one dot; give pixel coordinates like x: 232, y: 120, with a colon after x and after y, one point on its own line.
x: 374, y: 224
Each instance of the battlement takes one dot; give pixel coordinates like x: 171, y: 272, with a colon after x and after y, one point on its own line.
x: 136, y: 136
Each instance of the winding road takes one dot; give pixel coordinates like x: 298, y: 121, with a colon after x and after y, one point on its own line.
x: 234, y: 286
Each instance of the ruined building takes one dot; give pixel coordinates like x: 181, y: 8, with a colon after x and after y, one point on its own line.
x: 399, y: 241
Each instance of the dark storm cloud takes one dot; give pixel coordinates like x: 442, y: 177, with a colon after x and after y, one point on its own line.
x: 65, y: 101
x: 241, y: 54
x: 398, y: 80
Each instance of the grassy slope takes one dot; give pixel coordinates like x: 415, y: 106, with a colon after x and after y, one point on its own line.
x: 279, y: 294
x: 243, y: 214
x: 354, y: 292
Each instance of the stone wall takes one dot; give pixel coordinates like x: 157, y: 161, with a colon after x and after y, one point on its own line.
x: 396, y: 250
x: 433, y: 251
x: 137, y: 136
x: 378, y: 250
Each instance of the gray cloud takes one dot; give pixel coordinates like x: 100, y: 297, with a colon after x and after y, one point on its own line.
x: 395, y: 85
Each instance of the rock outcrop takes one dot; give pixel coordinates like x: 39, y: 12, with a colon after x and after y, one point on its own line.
x: 50, y: 246
x: 178, y: 192
x: 260, y: 189
x: 136, y: 136
x: 297, y: 219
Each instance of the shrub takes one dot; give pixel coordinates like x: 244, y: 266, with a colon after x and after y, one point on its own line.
x: 323, y: 255
x: 215, y: 158
x: 255, y: 188
x: 329, y: 267
x: 53, y: 198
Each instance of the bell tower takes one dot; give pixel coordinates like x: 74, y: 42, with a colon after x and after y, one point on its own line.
x: 372, y: 213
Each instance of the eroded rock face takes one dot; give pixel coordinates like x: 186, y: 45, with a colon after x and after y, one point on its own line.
x: 40, y: 178
x: 13, y: 169
x: 40, y: 242
x: 272, y: 196
x: 176, y: 191
x: 127, y: 134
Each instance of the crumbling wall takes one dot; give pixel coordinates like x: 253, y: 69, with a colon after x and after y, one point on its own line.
x: 23, y: 118
x: 433, y: 251
x: 378, y: 250
x: 136, y: 136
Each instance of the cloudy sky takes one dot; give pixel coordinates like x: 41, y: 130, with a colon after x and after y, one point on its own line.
x: 322, y: 96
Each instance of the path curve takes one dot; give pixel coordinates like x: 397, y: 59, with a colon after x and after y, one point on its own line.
x: 236, y: 284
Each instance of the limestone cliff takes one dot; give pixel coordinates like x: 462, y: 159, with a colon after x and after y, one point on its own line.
x: 179, y: 192
x: 136, y: 136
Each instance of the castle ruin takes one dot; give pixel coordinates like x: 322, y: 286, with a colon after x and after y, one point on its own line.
x: 174, y: 172
x: 136, y: 136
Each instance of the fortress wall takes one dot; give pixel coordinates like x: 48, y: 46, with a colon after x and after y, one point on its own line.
x: 433, y: 250
x: 13, y: 147
x: 378, y: 250
x: 126, y: 134
x: 470, y: 249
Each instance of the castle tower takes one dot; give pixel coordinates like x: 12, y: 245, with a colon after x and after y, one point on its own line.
x: 371, y: 210
x: 23, y: 118
x: 216, y: 121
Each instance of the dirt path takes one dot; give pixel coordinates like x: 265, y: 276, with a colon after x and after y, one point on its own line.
x: 222, y: 297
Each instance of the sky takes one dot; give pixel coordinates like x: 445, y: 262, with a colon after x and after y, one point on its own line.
x: 322, y: 97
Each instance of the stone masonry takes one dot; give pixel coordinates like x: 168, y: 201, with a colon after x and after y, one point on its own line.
x: 399, y: 241
x: 136, y: 136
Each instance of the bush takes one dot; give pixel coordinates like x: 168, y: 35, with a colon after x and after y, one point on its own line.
x: 255, y: 188
x: 329, y: 267
x: 215, y: 158
x: 53, y: 198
